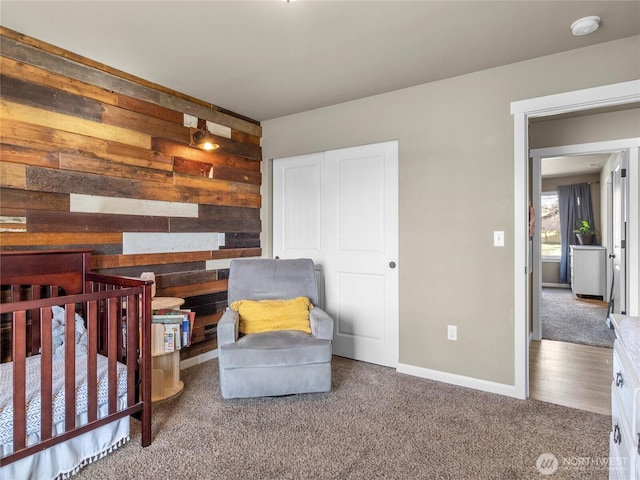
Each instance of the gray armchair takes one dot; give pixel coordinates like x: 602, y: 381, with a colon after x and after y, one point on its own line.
x: 280, y: 362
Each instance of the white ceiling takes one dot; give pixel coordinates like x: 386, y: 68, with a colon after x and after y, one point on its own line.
x: 577, y: 165
x: 265, y: 59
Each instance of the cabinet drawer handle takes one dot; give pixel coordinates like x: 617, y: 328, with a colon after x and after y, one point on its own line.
x: 639, y: 444
x: 619, y: 379
x: 617, y: 436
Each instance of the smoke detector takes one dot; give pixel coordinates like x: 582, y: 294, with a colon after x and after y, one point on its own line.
x: 585, y: 25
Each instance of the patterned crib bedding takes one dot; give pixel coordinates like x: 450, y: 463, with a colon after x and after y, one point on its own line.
x: 33, y: 391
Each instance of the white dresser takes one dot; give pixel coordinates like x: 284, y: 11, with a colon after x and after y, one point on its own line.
x: 624, y: 451
x: 588, y: 270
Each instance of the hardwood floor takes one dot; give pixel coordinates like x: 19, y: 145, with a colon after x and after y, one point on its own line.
x: 572, y: 375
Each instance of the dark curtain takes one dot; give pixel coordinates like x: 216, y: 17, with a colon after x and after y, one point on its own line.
x: 575, y: 204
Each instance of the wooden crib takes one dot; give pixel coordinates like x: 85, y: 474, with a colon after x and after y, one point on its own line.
x: 61, y: 397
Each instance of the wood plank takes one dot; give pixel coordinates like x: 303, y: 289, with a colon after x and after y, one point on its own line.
x: 202, y: 196
x: 198, y: 347
x: 28, y: 156
x: 135, y: 272
x: 48, y: 78
x: 49, y: 221
x: 62, y: 181
x: 79, y: 163
x: 12, y: 221
x: 214, y: 184
x: 50, y: 99
x: 59, y: 121
x: 26, y: 49
x: 217, y: 212
x: 185, y: 278
x: 236, y: 253
x: 222, y: 225
x: 184, y: 291
x: 237, y: 175
x: 131, y: 206
x: 208, y: 170
x: 145, y: 259
x: 168, y: 243
x: 139, y: 122
x: 24, y: 199
x: 13, y: 175
x: 243, y: 137
x: 215, y: 157
x: 27, y: 135
x: 57, y: 239
x: 242, y: 240
x: 149, y: 109
x: 577, y: 376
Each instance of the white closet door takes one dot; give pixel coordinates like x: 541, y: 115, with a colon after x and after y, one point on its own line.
x: 340, y: 208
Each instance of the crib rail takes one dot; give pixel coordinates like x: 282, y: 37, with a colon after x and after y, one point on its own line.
x: 117, y: 318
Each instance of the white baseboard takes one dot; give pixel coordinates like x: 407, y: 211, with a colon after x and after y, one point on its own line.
x: 460, y: 380
x: 203, y: 357
x: 555, y: 285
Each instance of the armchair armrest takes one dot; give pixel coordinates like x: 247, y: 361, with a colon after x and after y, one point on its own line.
x: 228, y: 327
x: 321, y: 324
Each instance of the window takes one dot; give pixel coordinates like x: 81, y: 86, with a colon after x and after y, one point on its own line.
x: 550, y: 225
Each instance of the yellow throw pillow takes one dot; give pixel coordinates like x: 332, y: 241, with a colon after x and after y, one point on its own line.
x: 268, y: 315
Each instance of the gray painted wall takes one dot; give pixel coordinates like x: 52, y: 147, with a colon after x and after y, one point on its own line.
x: 455, y: 188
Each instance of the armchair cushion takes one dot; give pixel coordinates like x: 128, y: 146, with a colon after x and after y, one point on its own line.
x: 276, y: 349
x: 258, y: 316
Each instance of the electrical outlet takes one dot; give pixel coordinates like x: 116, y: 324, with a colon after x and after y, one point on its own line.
x: 452, y: 332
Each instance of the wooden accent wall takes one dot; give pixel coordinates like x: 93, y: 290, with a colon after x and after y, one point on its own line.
x: 92, y: 157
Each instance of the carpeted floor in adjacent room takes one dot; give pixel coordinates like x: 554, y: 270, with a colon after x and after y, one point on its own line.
x: 375, y: 423
x: 569, y: 318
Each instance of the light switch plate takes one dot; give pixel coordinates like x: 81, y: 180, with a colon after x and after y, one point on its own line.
x: 498, y: 239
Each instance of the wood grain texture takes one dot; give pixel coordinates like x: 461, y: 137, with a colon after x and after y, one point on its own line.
x: 140, y: 122
x: 31, y: 51
x: 41, y: 76
x: 183, y: 291
x: 49, y: 221
x: 62, y: 181
x: 23, y: 199
x: 109, y: 168
x: 146, y: 259
x: 13, y: 175
x: 73, y: 130
x: 28, y: 156
x: 51, y: 99
x: 26, y: 135
x: 57, y: 239
x: 223, y: 225
x: 68, y: 123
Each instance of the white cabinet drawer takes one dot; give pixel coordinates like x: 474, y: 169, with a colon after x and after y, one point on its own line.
x: 625, y: 381
x: 621, y: 442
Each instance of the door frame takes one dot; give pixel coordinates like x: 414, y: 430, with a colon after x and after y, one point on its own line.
x: 580, y: 100
x: 612, y: 146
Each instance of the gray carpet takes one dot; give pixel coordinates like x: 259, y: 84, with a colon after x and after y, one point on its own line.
x: 569, y: 318
x: 374, y: 424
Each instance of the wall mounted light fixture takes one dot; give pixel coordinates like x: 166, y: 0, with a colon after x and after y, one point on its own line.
x: 204, y: 139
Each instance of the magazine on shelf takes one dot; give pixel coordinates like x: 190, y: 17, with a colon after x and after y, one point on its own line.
x: 185, y: 318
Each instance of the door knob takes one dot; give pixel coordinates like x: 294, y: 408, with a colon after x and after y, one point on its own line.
x: 392, y: 264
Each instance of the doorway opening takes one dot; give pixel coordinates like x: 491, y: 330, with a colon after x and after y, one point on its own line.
x: 626, y: 93
x: 571, y: 347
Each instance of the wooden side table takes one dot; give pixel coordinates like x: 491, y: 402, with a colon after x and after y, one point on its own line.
x: 165, y: 366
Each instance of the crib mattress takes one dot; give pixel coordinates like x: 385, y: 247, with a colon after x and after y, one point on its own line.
x: 33, y: 392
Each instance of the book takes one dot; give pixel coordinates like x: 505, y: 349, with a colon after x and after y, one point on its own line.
x: 172, y: 337
x: 185, y: 317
